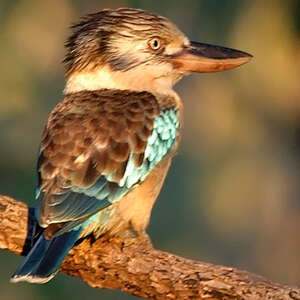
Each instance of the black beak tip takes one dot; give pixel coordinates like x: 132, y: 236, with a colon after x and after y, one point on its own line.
x: 246, y: 54
x: 217, y: 52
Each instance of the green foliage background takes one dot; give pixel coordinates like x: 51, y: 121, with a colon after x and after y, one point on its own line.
x: 232, y: 195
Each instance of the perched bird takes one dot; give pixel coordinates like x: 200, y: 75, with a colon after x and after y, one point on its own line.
x: 108, y: 145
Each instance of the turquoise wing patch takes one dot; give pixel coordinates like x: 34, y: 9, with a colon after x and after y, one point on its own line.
x: 159, y: 144
x: 162, y: 138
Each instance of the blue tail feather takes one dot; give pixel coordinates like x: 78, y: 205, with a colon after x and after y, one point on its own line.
x: 45, y: 258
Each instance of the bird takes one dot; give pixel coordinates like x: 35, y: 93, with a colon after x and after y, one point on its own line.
x: 107, y: 146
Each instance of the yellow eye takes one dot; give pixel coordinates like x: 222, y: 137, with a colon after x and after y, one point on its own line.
x: 155, y: 43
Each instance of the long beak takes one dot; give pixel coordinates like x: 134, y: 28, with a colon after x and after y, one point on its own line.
x: 202, y: 58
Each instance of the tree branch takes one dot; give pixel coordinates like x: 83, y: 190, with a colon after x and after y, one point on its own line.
x: 136, y: 268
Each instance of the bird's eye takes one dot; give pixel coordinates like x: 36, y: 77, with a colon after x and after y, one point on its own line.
x: 155, y: 43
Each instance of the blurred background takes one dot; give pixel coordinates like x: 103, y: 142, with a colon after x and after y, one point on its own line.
x: 232, y: 194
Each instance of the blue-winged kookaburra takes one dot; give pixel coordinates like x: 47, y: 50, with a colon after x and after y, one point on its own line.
x: 108, y: 145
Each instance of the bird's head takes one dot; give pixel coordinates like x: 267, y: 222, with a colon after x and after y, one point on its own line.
x: 136, y: 50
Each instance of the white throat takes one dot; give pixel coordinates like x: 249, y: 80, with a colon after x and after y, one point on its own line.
x: 134, y: 80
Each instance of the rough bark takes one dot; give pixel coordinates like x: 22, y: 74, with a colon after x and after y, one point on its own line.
x: 136, y: 268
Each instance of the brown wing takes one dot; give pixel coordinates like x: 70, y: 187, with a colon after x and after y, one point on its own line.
x: 88, y: 135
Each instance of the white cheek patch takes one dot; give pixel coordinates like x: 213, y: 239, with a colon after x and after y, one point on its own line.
x: 127, y: 47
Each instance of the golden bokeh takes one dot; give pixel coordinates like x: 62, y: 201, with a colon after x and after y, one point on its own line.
x: 233, y: 195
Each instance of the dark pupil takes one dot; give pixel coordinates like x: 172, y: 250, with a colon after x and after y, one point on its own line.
x: 155, y: 43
